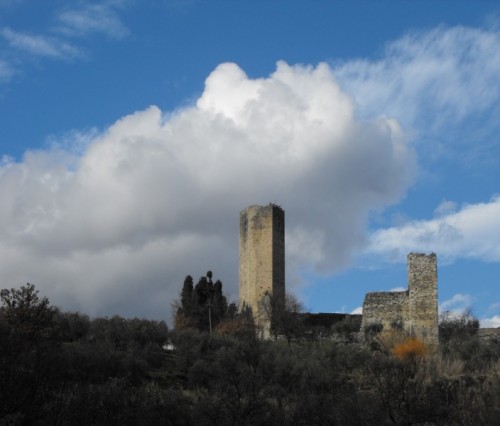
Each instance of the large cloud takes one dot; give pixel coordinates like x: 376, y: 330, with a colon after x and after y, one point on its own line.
x: 157, y: 195
x: 442, y: 86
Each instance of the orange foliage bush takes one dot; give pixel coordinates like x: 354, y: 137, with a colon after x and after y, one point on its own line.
x: 411, y: 348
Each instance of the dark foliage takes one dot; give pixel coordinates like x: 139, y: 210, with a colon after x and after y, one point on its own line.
x: 201, y: 307
x: 68, y: 369
x: 457, y: 327
x: 56, y: 366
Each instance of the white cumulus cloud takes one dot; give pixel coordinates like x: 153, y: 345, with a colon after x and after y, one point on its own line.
x: 116, y: 224
x: 472, y: 232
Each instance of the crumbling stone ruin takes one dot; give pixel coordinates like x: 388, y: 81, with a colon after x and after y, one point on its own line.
x: 262, y: 275
x: 414, y: 310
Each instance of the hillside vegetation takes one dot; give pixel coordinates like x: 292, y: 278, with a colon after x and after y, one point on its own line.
x: 64, y: 368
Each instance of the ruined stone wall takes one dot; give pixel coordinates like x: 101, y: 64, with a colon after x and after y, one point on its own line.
x: 262, y: 257
x: 416, y: 309
x: 390, y: 309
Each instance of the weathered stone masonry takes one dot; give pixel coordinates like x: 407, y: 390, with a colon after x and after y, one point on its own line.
x: 262, y: 272
x: 262, y: 258
x: 414, y: 310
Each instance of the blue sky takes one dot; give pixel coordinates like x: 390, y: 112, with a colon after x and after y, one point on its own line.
x: 132, y: 134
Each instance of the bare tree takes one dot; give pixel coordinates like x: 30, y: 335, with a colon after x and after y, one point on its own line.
x: 283, y: 319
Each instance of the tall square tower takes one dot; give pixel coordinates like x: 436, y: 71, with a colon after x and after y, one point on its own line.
x: 262, y: 257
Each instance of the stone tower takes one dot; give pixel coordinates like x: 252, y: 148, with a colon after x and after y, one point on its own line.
x: 416, y: 309
x: 423, y: 296
x: 262, y: 259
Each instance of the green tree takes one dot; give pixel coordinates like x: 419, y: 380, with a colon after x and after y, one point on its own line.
x: 23, y: 310
x: 201, y: 307
x: 29, y: 353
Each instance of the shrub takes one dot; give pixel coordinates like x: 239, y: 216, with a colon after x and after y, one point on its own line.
x: 410, y: 349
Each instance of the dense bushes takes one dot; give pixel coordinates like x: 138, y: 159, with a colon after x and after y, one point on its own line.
x: 65, y: 368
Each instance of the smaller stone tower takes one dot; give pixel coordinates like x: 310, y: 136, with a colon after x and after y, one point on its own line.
x: 262, y: 260
x: 423, y: 296
x: 415, y: 309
